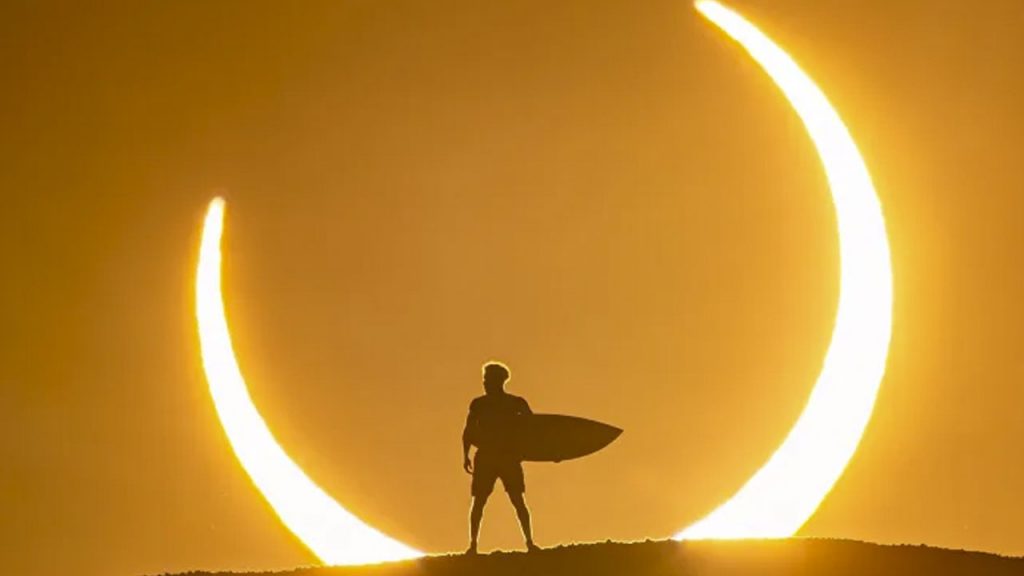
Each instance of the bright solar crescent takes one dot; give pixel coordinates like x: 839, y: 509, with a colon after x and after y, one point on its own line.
x: 777, y: 499
x: 786, y: 491
x: 330, y: 531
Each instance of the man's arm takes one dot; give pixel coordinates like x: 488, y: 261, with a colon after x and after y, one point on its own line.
x: 467, y: 439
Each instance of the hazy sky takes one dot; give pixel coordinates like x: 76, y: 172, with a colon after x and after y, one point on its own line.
x: 608, y: 196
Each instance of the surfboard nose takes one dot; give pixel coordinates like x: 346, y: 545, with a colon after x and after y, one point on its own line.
x: 557, y: 437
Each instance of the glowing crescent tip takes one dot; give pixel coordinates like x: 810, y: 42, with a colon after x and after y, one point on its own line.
x: 335, y: 535
x: 786, y: 491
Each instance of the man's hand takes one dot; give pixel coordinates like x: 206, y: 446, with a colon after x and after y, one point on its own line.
x: 467, y: 464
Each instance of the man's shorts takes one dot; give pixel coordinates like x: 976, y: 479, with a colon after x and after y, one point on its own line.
x: 488, y: 469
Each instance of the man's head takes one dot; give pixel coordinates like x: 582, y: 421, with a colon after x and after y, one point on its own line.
x: 495, y: 376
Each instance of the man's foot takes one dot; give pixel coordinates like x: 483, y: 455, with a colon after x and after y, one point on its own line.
x: 471, y: 551
x: 531, y: 547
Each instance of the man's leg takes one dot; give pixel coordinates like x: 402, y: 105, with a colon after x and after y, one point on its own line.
x: 523, y: 513
x: 515, y: 485
x: 476, y: 515
x: 484, y: 477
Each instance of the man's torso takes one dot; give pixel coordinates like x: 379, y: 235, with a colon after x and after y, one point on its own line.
x: 497, y: 418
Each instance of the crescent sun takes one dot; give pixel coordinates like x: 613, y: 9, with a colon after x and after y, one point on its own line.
x: 786, y: 491
x: 781, y: 495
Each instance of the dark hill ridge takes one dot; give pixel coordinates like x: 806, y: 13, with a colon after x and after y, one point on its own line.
x: 792, y: 557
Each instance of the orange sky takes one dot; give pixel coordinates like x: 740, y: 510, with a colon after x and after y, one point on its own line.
x: 606, y: 195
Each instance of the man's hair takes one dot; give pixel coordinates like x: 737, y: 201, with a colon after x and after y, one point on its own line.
x: 497, y: 370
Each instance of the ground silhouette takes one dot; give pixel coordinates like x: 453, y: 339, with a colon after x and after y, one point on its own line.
x: 791, y: 557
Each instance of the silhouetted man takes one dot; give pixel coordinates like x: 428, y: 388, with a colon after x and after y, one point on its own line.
x: 491, y: 427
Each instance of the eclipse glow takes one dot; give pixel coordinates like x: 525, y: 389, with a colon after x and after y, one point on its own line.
x: 331, y: 532
x: 775, y: 502
x: 787, y: 490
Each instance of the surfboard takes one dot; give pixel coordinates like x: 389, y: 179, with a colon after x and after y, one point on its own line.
x: 556, y: 437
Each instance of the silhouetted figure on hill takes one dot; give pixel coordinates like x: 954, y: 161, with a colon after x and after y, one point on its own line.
x: 491, y: 427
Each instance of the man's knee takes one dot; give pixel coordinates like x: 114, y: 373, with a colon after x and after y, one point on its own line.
x: 480, y: 500
x: 518, y: 501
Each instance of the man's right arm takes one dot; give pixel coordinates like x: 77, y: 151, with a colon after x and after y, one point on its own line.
x: 468, y: 434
